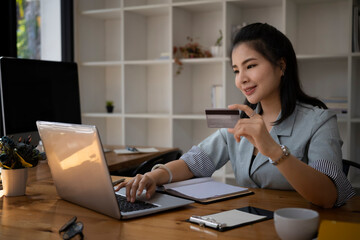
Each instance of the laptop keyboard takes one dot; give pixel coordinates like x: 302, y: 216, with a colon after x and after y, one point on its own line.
x: 126, y: 206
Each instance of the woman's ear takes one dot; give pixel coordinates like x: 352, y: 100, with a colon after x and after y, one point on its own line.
x: 282, y: 65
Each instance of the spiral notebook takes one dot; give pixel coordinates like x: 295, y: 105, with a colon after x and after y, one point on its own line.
x: 234, y: 218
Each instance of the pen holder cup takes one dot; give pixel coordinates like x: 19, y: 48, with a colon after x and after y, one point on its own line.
x: 296, y: 223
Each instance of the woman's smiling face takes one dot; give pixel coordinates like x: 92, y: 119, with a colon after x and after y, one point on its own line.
x: 256, y: 77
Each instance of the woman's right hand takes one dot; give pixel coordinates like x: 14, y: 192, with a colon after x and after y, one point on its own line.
x: 149, y: 181
x: 136, y: 185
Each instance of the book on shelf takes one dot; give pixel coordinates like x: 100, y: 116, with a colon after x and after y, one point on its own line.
x: 339, y: 112
x: 217, y: 96
x: 204, y: 190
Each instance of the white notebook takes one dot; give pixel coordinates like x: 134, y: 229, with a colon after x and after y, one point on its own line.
x: 204, y: 190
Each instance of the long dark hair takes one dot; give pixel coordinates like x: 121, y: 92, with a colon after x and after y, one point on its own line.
x: 274, y: 46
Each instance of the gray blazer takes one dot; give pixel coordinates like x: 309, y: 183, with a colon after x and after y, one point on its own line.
x: 310, y: 133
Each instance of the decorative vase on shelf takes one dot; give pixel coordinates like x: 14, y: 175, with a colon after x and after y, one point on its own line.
x: 216, y: 51
x: 14, y: 181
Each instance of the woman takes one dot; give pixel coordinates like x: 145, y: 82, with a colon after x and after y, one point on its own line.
x: 284, y: 140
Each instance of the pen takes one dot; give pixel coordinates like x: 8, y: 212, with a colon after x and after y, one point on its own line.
x: 131, y: 149
x: 209, y: 222
x: 201, y: 229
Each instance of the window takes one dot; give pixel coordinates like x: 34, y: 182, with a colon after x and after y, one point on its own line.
x: 28, y: 30
x: 37, y: 29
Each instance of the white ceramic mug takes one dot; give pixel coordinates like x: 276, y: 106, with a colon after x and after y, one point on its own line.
x: 296, y: 223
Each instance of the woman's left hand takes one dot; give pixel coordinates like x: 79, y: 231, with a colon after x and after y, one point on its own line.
x: 254, y: 129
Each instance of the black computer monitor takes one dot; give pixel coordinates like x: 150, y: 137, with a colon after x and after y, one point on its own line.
x: 34, y: 90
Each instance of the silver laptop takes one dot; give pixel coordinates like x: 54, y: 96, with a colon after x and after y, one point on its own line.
x: 81, y: 175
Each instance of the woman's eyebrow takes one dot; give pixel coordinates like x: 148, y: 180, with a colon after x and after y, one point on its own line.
x: 247, y: 60
x: 244, y: 62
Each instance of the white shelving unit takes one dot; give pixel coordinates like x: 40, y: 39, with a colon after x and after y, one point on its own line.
x: 119, y: 44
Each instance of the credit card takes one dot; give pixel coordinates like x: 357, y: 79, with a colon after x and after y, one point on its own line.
x: 222, y: 117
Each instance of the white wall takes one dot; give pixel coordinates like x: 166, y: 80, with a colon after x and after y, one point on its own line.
x: 50, y: 29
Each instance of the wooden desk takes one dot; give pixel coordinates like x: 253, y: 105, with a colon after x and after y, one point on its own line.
x: 127, y: 161
x: 41, y: 213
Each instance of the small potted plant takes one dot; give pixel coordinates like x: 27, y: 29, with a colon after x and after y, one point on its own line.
x: 109, y: 106
x: 216, y: 49
x: 190, y: 50
x: 15, y: 159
